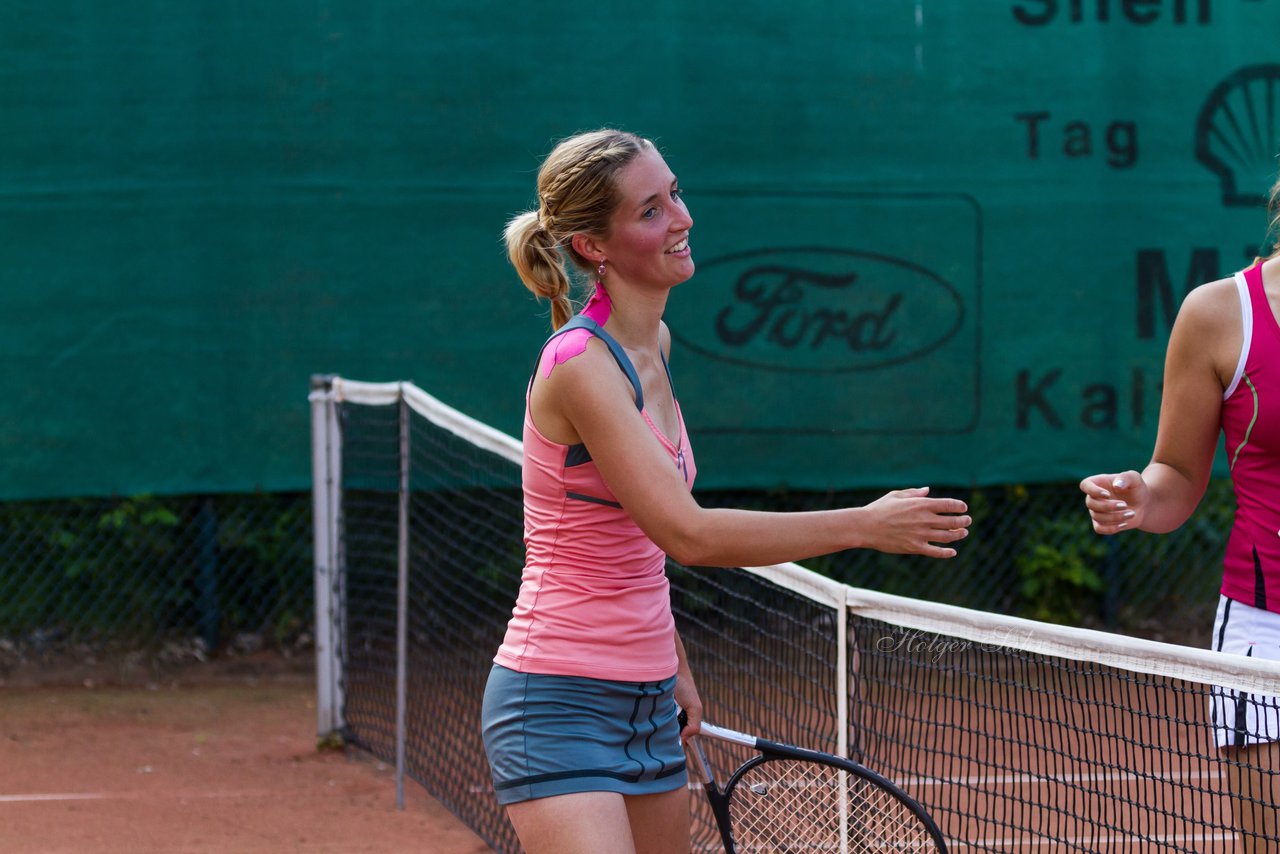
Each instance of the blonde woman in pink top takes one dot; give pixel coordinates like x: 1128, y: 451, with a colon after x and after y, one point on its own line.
x: 580, y: 710
x: 1222, y: 375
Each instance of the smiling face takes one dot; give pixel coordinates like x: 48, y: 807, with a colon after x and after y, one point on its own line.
x: 648, y: 244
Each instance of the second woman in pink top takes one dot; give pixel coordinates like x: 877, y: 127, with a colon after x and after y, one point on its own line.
x: 1222, y: 377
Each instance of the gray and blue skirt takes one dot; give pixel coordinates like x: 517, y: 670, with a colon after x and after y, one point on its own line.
x: 556, y: 735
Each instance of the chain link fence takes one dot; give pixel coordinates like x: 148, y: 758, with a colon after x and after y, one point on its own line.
x: 173, y: 578
x: 1031, y: 552
x: 197, y: 576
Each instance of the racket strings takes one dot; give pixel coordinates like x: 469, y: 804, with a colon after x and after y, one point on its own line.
x: 802, y: 806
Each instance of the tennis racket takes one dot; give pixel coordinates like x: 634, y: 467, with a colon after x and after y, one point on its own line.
x: 788, y: 799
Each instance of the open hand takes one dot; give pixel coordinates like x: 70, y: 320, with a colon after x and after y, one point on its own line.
x: 908, y: 521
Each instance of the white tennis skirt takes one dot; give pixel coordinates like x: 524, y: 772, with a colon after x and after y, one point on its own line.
x: 1241, y: 719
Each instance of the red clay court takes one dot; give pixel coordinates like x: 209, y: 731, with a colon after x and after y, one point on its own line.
x: 203, y: 762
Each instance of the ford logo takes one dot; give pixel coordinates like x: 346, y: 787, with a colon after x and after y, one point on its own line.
x: 818, y: 310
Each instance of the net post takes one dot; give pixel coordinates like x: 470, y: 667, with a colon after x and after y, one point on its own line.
x: 402, y: 598
x: 326, y: 480
x: 841, y: 607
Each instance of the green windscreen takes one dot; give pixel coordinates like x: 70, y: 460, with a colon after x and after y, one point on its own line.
x: 936, y: 242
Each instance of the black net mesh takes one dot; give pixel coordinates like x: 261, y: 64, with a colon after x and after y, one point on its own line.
x: 1007, y: 748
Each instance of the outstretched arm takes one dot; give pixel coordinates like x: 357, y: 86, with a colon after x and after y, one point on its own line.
x: 594, y: 398
x: 1204, y: 347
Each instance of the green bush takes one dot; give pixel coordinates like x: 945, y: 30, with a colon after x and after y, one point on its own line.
x: 1057, y: 582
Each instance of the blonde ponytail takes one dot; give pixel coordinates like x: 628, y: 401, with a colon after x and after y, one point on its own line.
x: 538, y: 262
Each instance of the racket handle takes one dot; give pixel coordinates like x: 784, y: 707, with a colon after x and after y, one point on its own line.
x: 721, y: 732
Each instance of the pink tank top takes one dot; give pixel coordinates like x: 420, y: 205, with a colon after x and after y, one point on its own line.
x: 1251, y: 424
x: 594, y: 599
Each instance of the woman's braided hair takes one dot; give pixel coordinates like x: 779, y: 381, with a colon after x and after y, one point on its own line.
x: 577, y: 193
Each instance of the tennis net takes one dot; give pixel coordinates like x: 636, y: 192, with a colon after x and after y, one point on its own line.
x: 1015, y: 735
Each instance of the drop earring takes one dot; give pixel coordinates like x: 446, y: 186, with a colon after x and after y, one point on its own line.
x: 600, y: 272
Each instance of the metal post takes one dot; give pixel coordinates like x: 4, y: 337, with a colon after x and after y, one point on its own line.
x: 326, y: 481
x: 207, y: 549
x: 842, y: 707
x: 402, y: 598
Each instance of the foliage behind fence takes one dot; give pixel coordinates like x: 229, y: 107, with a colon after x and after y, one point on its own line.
x: 236, y: 570
x: 143, y: 571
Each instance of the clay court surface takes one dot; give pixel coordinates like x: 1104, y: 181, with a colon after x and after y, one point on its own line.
x: 209, y: 759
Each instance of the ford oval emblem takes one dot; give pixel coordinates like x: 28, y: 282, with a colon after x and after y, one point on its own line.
x: 817, y: 310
